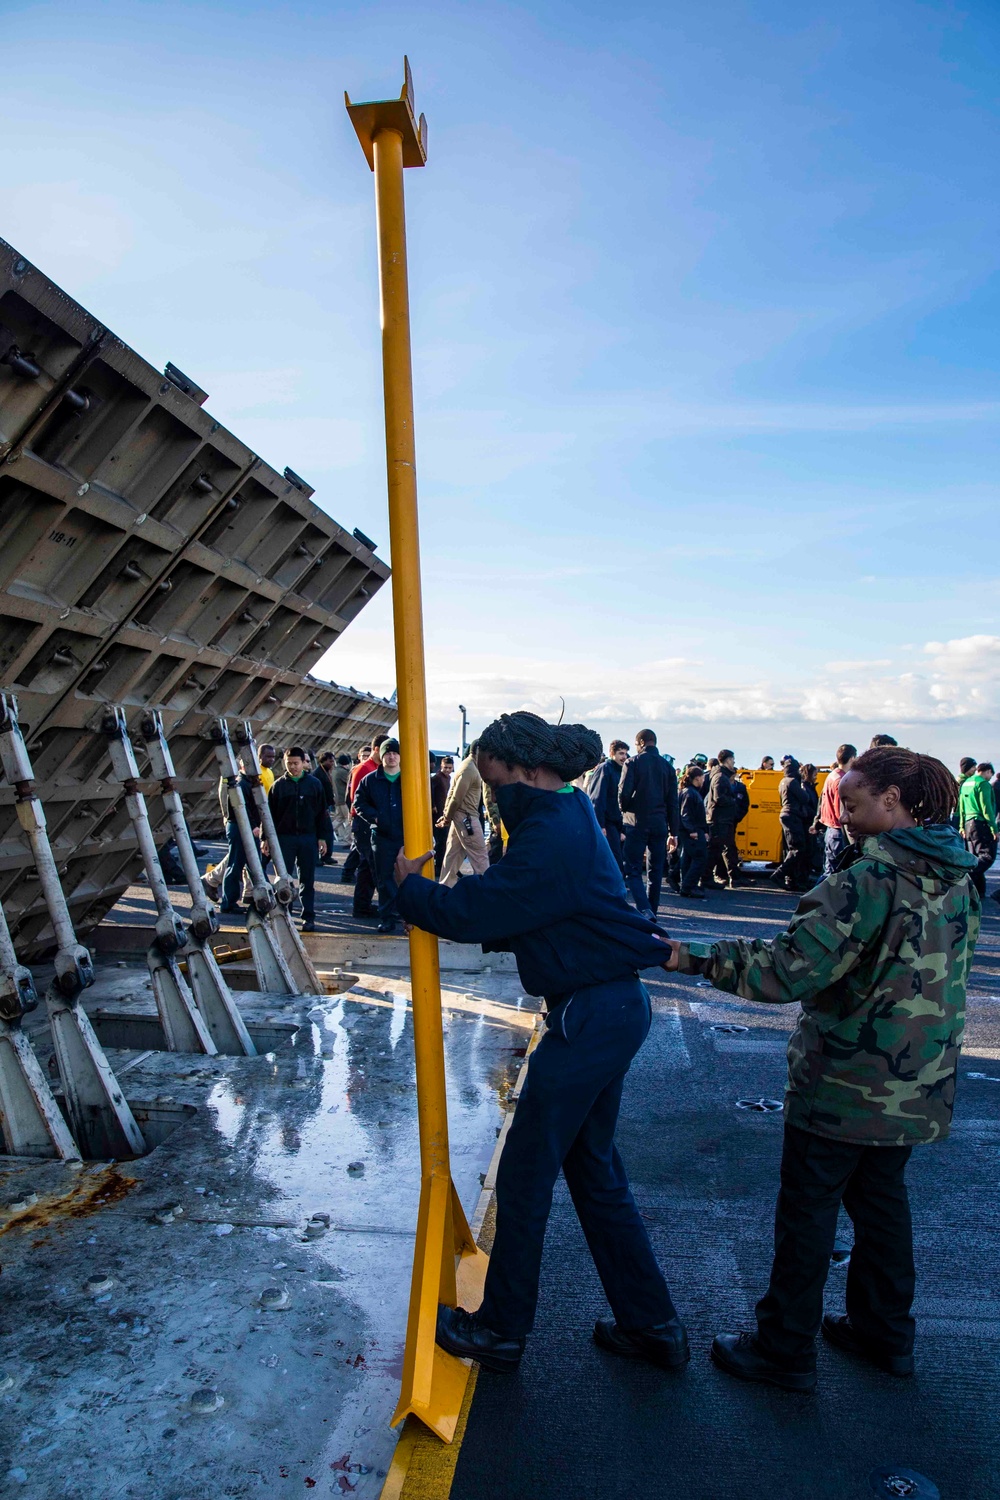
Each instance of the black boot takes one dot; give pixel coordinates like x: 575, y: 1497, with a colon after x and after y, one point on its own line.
x: 739, y: 1354
x: 665, y: 1345
x: 837, y: 1330
x: 461, y: 1333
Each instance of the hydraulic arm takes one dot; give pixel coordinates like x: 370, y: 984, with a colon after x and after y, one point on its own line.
x: 212, y: 993
x: 32, y: 1122
x: 284, y: 887
x: 100, y: 1119
x: 274, y: 973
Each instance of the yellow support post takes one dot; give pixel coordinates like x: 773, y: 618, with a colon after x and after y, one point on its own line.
x: 433, y: 1381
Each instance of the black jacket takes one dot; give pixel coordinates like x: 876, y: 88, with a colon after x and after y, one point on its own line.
x: 797, y: 811
x: 298, y: 807
x: 693, y: 816
x: 647, y: 792
x: 556, y: 900
x: 603, y: 793
x: 727, y: 800
x: 440, y: 784
x: 379, y: 802
x: 323, y: 777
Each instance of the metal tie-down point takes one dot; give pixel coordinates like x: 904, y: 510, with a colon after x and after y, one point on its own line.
x: 903, y: 1484
x: 208, y: 984
x: 100, y: 1119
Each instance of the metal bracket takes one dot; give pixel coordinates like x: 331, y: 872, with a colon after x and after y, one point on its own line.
x: 392, y: 114
x: 99, y: 1117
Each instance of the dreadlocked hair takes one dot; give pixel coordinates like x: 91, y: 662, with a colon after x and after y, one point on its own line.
x: 523, y: 739
x: 927, y: 789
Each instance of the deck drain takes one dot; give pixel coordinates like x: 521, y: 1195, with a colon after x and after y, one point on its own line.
x: 207, y: 1401
x: 760, y: 1106
x: 730, y: 1028
x: 905, y: 1483
x: 841, y: 1254
x: 274, y: 1299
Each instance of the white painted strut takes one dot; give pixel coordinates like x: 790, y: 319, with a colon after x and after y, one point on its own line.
x: 100, y: 1118
x: 31, y: 1120
x: 183, y: 1024
x: 285, y: 888
x: 212, y: 993
x: 274, y: 972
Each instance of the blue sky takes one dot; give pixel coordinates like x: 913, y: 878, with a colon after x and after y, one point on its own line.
x: 705, y: 311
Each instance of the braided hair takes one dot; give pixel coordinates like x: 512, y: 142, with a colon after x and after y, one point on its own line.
x: 523, y: 739
x: 927, y: 789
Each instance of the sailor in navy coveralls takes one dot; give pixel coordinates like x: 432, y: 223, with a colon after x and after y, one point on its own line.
x: 557, y: 902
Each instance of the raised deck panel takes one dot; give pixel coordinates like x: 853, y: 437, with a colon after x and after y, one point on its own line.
x: 148, y: 558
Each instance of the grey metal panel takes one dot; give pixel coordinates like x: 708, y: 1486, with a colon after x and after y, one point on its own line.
x: 148, y: 558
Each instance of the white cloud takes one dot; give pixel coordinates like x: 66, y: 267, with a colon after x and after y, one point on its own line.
x: 855, y: 666
x: 961, y: 681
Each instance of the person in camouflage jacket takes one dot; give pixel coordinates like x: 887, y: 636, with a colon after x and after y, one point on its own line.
x: 878, y: 957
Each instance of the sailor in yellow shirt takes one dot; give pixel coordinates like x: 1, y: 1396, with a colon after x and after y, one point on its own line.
x: 266, y: 757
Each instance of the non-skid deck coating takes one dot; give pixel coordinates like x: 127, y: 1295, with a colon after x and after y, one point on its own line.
x: 139, y: 1355
x: 577, y: 1424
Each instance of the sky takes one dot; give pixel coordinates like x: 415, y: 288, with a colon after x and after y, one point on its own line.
x: 705, y: 304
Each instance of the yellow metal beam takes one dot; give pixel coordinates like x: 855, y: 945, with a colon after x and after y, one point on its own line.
x: 434, y: 1381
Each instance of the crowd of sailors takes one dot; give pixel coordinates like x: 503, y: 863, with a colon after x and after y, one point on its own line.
x: 568, y: 850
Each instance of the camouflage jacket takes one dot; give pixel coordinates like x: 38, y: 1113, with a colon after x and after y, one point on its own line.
x: 878, y: 956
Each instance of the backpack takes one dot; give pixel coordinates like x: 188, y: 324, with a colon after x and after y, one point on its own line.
x: 741, y: 798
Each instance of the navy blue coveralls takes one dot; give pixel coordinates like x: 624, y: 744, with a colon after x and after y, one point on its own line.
x: 379, y: 802
x: 603, y: 793
x: 557, y: 902
x: 647, y: 795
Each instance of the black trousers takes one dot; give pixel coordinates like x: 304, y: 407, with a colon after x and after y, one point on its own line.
x: 817, y: 1175
x: 299, y: 850
x: 614, y: 833
x: 440, y: 844
x: 723, y: 858
x: 566, y: 1118
x: 694, y: 854
x: 649, y: 840
x: 794, y: 867
x: 981, y: 842
x: 364, y: 883
x: 385, y: 851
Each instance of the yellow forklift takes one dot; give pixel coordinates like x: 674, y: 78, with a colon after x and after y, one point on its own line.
x: 758, y: 837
